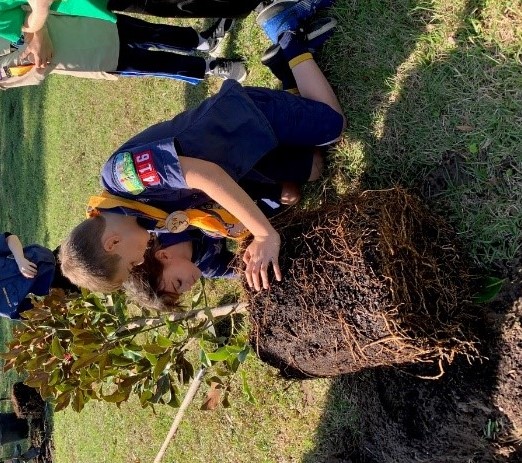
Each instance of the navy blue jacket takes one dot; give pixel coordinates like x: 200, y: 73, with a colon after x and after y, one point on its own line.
x: 14, y: 287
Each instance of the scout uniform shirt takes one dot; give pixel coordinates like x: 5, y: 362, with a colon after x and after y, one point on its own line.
x: 227, y: 129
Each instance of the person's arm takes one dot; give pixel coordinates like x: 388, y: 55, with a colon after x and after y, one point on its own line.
x: 216, y: 183
x: 27, y: 268
x: 39, y: 48
x: 37, y: 16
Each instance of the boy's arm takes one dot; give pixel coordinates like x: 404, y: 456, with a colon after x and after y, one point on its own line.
x: 26, y: 267
x: 216, y: 183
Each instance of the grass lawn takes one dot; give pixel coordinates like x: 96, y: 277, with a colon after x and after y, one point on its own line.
x: 431, y: 89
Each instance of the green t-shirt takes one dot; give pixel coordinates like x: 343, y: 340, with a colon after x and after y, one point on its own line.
x: 12, y: 16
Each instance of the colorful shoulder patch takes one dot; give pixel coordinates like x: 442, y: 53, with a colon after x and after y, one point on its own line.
x: 146, y: 168
x: 124, y: 173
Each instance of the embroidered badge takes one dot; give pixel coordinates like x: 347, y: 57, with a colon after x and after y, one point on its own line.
x: 146, y: 168
x: 124, y: 173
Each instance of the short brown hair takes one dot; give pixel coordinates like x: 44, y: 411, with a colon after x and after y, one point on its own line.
x: 83, y: 259
x: 142, y: 285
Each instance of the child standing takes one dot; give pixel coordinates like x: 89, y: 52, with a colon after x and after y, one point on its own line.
x: 95, y: 48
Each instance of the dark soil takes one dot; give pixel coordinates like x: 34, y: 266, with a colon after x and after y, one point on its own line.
x: 473, y: 414
x: 27, y: 403
x: 375, y: 280
x: 382, y: 411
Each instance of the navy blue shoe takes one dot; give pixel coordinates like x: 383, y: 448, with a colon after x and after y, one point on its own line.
x: 287, y: 15
x: 315, y: 34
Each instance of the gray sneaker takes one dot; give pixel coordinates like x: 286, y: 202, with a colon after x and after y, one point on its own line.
x: 216, y: 33
x: 228, y: 69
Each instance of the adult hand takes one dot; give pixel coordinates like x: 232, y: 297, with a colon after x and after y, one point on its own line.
x: 258, y: 256
x: 39, y: 49
x: 27, y: 268
x: 37, y: 17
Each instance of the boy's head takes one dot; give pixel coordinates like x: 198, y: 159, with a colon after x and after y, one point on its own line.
x: 101, y: 251
x: 163, y: 276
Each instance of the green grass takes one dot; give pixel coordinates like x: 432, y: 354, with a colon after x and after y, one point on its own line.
x: 422, y: 82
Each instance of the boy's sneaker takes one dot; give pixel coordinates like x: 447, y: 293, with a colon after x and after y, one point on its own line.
x: 287, y: 15
x: 315, y: 34
x: 228, y: 69
x: 216, y: 33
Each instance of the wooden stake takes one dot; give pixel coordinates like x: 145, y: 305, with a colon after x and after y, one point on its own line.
x: 194, y: 386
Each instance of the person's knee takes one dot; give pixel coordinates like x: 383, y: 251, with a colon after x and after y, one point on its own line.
x: 317, y: 166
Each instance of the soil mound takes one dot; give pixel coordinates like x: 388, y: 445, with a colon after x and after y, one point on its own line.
x: 27, y: 402
x: 375, y: 280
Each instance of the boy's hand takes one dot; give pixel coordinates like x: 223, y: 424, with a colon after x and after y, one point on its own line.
x: 27, y: 268
x: 39, y: 50
x: 258, y: 256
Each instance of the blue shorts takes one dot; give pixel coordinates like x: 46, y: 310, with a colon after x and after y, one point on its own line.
x: 297, y: 121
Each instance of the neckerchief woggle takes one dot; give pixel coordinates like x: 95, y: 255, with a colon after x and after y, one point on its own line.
x: 213, y: 220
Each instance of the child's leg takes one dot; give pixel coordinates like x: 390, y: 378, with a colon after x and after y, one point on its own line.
x: 314, y: 34
x: 135, y: 61
x: 141, y: 34
x: 310, y: 80
x: 139, y: 62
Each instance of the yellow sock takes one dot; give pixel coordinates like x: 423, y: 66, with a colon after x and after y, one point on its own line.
x: 299, y: 59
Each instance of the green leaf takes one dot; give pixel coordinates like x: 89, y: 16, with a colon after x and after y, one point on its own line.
x: 160, y: 366
x: 196, y: 299
x: 55, y: 377
x: 130, y: 381
x: 62, y: 401
x: 120, y: 361
x: 162, y: 386
x: 118, y: 396
x: 78, y: 401
x: 489, y: 288
x: 85, y: 360
x: 145, y: 397
x: 153, y: 349
x: 163, y: 341
x: 203, y: 358
x: 244, y: 354
x: 56, y: 348
x: 37, y: 380
x: 87, y: 338
x: 174, y: 400
x: 246, y: 389
x: 36, y: 362
x: 176, y: 328
x: 220, y: 355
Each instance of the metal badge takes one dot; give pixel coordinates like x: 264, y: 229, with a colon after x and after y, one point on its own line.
x: 177, y: 222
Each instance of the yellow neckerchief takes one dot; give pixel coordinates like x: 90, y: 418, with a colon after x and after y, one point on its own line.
x: 214, y: 220
x: 15, y: 71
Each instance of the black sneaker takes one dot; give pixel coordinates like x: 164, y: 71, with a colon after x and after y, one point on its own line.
x: 228, y: 69
x: 216, y: 33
